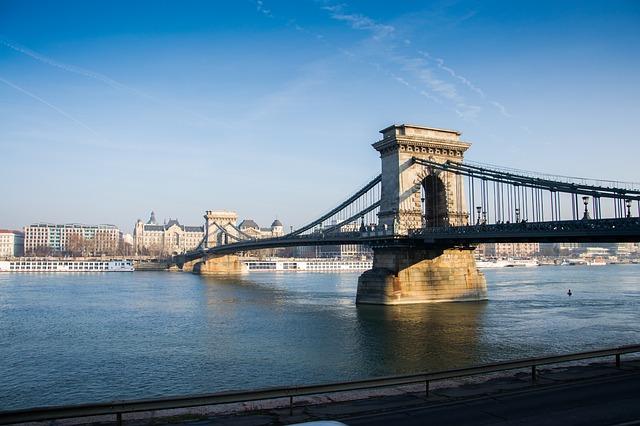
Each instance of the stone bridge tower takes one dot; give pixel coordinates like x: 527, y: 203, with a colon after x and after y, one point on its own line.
x: 414, y: 196
x: 217, y: 264
x: 213, y: 236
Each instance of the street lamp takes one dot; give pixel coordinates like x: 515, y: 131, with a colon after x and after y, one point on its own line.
x: 586, y: 216
x: 478, y: 209
x: 628, y: 203
x: 517, y: 214
x: 424, y: 212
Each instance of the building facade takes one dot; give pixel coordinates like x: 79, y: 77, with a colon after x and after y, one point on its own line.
x: 11, y: 243
x: 345, y: 251
x: 165, y: 239
x: 251, y: 228
x: 73, y: 238
x: 514, y: 249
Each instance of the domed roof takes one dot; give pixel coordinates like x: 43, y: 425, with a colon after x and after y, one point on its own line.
x: 152, y: 219
x: 276, y: 223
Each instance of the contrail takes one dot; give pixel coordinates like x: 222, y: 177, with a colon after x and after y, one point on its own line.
x: 70, y: 68
x: 55, y: 108
x: 95, y: 76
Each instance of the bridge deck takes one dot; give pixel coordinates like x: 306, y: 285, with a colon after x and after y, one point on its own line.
x: 595, y: 231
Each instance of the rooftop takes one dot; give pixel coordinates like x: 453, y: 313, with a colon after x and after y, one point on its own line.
x: 11, y: 231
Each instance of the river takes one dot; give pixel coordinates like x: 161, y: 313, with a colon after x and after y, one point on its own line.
x: 78, y: 338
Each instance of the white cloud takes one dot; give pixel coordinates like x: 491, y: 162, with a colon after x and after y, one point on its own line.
x: 440, y: 63
x: 501, y: 108
x: 359, y: 22
x: 260, y: 7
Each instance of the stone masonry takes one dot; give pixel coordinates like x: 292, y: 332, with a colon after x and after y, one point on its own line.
x: 415, y: 196
x: 402, y: 179
x: 410, y: 275
x: 219, y: 265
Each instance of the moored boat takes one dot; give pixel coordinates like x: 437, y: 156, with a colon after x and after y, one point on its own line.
x: 66, y: 265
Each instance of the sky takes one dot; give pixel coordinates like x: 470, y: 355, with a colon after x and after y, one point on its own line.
x: 112, y: 109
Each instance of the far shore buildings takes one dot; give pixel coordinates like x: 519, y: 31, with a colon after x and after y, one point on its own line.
x: 251, y: 228
x: 43, y: 239
x: 503, y: 250
x: 151, y: 238
x: 11, y: 243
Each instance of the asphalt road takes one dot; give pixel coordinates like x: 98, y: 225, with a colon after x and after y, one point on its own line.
x: 603, y: 401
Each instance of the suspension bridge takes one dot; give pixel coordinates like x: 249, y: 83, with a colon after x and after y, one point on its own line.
x: 426, y: 211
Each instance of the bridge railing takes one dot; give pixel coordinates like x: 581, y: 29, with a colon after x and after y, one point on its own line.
x: 118, y: 408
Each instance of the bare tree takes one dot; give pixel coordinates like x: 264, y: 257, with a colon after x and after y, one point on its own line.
x: 42, y: 251
x: 76, y: 244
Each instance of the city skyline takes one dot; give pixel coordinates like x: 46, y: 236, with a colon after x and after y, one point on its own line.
x: 269, y: 108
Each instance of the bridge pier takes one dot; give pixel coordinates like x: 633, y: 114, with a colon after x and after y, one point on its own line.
x: 219, y: 265
x: 404, y: 275
x: 190, y: 265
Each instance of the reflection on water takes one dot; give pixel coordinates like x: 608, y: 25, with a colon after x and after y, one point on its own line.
x: 73, y: 338
x: 411, y: 338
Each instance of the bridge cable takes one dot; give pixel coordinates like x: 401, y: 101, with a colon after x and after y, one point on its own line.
x: 342, y: 206
x: 352, y: 218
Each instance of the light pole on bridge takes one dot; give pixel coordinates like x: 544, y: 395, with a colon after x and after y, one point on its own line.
x: 586, y: 216
x: 628, y: 204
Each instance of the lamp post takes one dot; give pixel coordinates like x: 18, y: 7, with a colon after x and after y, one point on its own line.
x: 517, y: 215
x: 586, y: 216
x: 424, y: 212
x: 628, y: 204
x: 478, y: 209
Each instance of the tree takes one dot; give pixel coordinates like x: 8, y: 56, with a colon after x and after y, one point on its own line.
x: 42, y: 251
x: 76, y: 244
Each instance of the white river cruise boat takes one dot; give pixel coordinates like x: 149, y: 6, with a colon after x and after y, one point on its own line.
x: 506, y: 263
x: 309, y: 265
x: 66, y: 265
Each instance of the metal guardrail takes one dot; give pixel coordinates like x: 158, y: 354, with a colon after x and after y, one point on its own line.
x: 118, y: 408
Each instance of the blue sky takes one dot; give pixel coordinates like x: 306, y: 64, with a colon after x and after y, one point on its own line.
x: 109, y: 110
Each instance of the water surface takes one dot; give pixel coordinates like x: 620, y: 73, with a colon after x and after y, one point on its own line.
x: 76, y: 338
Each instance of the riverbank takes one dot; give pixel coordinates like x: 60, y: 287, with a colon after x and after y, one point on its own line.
x: 572, y: 393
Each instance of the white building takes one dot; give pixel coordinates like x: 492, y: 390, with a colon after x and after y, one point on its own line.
x: 168, y: 238
x: 11, y: 243
x: 74, y: 238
